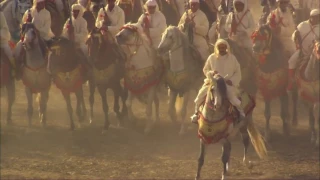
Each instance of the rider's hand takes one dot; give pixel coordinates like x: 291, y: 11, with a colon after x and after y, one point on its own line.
x: 229, y: 82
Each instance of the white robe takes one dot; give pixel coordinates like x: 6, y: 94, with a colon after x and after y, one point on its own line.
x: 308, y: 34
x: 158, y: 26
x: 286, y: 22
x: 200, y: 31
x: 5, y: 36
x: 116, y: 16
x: 228, y: 67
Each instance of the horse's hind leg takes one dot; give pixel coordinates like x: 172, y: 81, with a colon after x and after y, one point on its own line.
x: 172, y: 109
x: 116, y: 106
x: 102, y: 91
x: 156, y: 106
x: 69, y: 109
x: 316, y: 111
x: 151, y: 96
x: 80, y: 104
x: 11, y: 91
x: 91, y: 98
x: 200, y: 159
x: 30, y: 104
x: 267, y: 115
x: 183, y: 112
x: 44, y: 96
x: 246, y: 142
x: 294, y: 106
x: 312, y: 124
x: 284, y: 112
x: 226, y: 151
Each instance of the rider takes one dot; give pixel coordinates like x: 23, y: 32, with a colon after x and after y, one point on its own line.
x: 76, y: 29
x: 268, y: 6
x: 111, y: 18
x: 87, y: 14
x: 240, y: 24
x: 281, y: 22
x: 41, y: 19
x: 5, y: 38
x: 223, y: 62
x: 200, y: 27
x: 306, y: 33
x: 153, y: 23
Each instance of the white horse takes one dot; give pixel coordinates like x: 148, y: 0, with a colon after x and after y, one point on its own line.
x: 142, y: 72
x: 182, y: 72
x: 14, y: 10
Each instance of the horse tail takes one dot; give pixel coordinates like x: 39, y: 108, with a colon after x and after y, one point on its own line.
x: 256, y: 140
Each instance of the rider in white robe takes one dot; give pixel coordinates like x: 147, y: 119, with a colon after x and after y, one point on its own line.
x: 227, y: 66
x: 114, y: 16
x: 153, y: 23
x: 241, y: 28
x: 308, y: 31
x: 281, y: 21
x: 78, y: 28
x: 5, y: 38
x: 196, y: 18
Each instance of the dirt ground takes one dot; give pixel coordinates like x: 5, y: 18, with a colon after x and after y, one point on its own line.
x: 86, y: 153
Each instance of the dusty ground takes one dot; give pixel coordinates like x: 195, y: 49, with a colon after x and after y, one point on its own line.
x: 55, y: 152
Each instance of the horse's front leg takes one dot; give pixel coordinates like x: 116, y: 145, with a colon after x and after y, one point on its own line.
x: 44, y: 97
x: 284, y: 112
x: 117, y: 91
x: 129, y: 106
x: 80, y: 102
x: 267, y: 115
x: 157, y: 106
x: 312, y: 124
x: 294, y: 95
x: 200, y: 159
x: 69, y: 109
x: 245, y: 141
x: 11, y: 91
x: 226, y: 151
x: 183, y: 112
x: 30, y: 105
x: 172, y: 108
x: 102, y: 91
x: 150, y: 99
x: 92, y: 88
x: 316, y: 111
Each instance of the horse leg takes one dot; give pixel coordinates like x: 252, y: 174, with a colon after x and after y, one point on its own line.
x: 284, y: 111
x: 129, y: 106
x: 156, y: 106
x: 312, y: 124
x: 150, y: 100
x: 267, y: 115
x: 116, y: 106
x: 11, y: 91
x: 172, y: 109
x: 102, y: 91
x: 30, y: 104
x: 200, y: 159
x: 79, y: 96
x: 183, y: 112
x: 316, y: 111
x: 69, y: 108
x: 83, y: 106
x: 226, y: 151
x: 124, y: 97
x: 92, y: 87
x: 294, y: 106
x: 44, y: 97
x: 246, y: 142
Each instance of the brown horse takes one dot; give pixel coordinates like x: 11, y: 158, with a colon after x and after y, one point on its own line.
x: 68, y: 74
x: 271, y: 74
x: 108, y: 70
x: 33, y: 72
x: 57, y: 18
x: 7, y: 80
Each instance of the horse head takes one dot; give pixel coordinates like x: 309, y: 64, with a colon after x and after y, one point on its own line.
x: 171, y: 40
x: 129, y: 34
x: 22, y: 7
x: 262, y: 39
x: 61, y: 49
x: 217, y: 92
x: 31, y: 36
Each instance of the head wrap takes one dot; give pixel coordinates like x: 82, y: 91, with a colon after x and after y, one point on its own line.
x: 194, y: 1
x: 283, y: 0
x: 315, y: 12
x: 151, y: 3
x: 39, y: 1
x: 221, y: 41
x: 78, y: 7
x: 82, y: 2
x: 245, y: 5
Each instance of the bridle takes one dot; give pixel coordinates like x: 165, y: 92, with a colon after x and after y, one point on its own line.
x: 256, y: 35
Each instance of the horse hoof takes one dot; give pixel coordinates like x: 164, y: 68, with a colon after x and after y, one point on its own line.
x: 104, y: 132
x: 9, y: 122
x: 182, y: 132
x: 267, y: 136
x: 294, y: 123
x: 197, y: 178
x: 313, y: 139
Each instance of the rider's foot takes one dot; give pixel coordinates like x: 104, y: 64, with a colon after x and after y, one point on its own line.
x: 194, y: 119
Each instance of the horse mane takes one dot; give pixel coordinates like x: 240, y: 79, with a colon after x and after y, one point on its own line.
x: 221, y: 87
x: 139, y: 30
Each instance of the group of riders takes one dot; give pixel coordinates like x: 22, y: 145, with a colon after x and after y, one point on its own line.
x: 239, y: 25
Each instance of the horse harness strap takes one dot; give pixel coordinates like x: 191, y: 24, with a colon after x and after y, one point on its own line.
x: 240, y: 20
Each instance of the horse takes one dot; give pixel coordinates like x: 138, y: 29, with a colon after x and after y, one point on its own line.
x: 14, y: 10
x: 142, y: 72
x: 218, y: 122
x: 34, y: 75
x: 68, y: 72
x: 57, y: 18
x: 7, y: 80
x: 307, y: 78
x: 271, y: 74
x: 108, y: 70
x: 132, y: 9
x: 183, y: 71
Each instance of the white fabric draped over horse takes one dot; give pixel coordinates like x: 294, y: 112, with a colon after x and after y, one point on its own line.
x: 142, y: 72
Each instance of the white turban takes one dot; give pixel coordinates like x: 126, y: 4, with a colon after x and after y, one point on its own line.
x: 283, y: 0
x: 194, y: 1
x: 221, y: 41
x: 315, y: 12
x: 151, y: 3
x: 39, y: 1
x: 82, y: 2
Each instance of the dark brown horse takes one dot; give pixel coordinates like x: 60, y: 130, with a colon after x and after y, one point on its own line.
x: 57, y: 18
x: 271, y: 74
x: 108, y: 70
x: 132, y: 10
x: 8, y: 81
x: 68, y: 72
